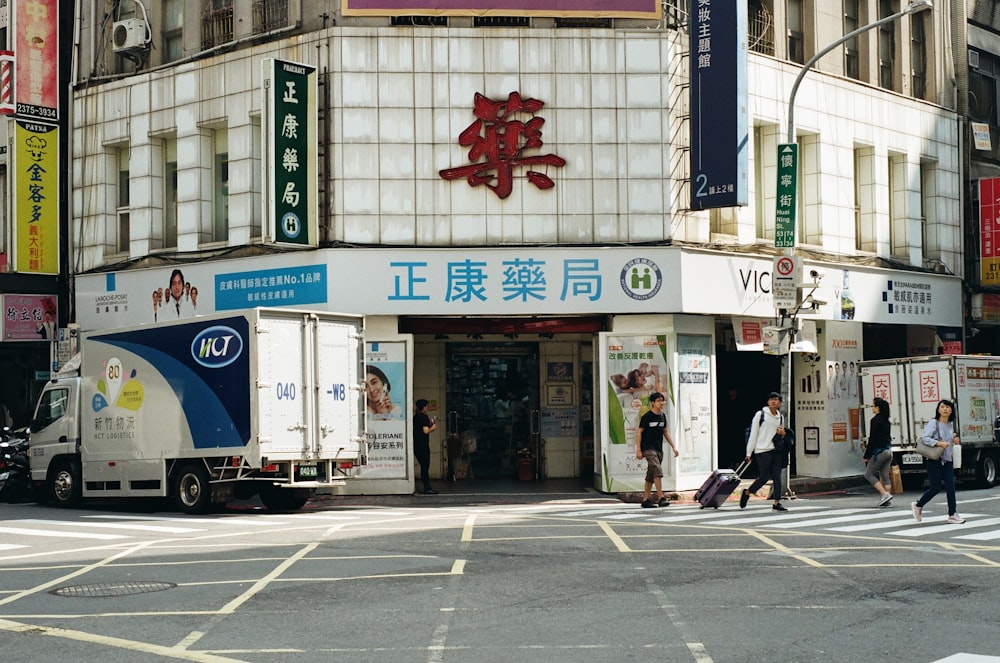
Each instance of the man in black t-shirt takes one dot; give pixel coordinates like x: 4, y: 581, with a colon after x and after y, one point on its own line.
x: 423, y: 426
x: 649, y: 445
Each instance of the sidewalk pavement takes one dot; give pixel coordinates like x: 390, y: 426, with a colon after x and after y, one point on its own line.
x: 509, y: 491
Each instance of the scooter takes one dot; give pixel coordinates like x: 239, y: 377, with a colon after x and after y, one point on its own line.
x: 15, y: 475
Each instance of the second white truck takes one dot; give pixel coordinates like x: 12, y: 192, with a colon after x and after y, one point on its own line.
x: 913, y: 387
x: 264, y: 402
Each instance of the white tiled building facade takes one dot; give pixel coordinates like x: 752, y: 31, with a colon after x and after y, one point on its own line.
x: 167, y: 164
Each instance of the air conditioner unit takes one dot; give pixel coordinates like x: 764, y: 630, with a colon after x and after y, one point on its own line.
x: 129, y: 35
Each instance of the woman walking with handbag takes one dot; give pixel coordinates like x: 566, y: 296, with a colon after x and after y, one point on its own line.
x: 878, y: 453
x: 940, y: 432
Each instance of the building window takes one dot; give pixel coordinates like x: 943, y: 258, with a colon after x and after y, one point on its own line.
x: 898, y: 240
x: 852, y: 61
x: 918, y: 54
x: 418, y: 20
x: 173, y: 30
x: 217, y: 23
x: 170, y: 195
x: 220, y: 188
x: 864, y: 199
x: 269, y: 15
x: 983, y: 89
x: 123, y: 201
x: 886, y: 46
x: 760, y: 28
x: 796, y: 36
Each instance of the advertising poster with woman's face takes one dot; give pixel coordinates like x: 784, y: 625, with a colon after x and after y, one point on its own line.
x: 636, y: 366
x: 385, y: 410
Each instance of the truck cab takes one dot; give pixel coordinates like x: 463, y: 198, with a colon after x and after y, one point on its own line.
x: 54, y: 453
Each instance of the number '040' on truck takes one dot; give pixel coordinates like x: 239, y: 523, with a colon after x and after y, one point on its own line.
x: 264, y: 402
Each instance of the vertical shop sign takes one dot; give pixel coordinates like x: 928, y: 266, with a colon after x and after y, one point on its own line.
x: 291, y: 164
x: 36, y: 49
x: 989, y: 230
x: 719, y: 140
x: 36, y: 197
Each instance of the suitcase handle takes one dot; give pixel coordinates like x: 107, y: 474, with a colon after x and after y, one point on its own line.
x: 742, y: 468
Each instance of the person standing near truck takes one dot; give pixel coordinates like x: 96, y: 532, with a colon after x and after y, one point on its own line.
x: 940, y: 432
x: 878, y: 453
x: 423, y: 426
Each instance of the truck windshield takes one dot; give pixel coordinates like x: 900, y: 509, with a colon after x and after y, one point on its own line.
x: 51, y: 407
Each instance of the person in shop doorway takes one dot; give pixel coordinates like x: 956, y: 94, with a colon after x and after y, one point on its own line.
x: 766, y: 425
x: 878, y: 453
x: 649, y: 438
x: 423, y: 426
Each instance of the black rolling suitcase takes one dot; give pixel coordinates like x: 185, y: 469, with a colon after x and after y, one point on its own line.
x: 719, y: 485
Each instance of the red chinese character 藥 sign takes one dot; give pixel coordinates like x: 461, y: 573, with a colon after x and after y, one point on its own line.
x: 497, y: 143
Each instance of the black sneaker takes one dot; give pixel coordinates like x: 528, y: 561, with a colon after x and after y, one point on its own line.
x: 778, y: 506
x: 663, y: 502
x: 744, y: 498
x: 430, y: 491
x: 648, y: 504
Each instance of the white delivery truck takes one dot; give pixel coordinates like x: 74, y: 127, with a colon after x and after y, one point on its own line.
x: 914, y: 386
x: 264, y: 402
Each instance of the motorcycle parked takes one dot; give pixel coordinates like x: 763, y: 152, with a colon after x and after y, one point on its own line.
x: 15, y: 476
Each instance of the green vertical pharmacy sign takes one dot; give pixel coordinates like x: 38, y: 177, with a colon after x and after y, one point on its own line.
x: 290, y: 156
x: 784, y: 217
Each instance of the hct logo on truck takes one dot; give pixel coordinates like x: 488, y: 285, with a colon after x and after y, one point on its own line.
x: 216, y: 347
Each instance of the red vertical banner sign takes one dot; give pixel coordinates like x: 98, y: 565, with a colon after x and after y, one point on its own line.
x: 36, y: 51
x: 989, y: 230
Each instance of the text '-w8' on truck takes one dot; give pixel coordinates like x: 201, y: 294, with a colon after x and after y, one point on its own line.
x: 264, y: 402
x: 914, y: 386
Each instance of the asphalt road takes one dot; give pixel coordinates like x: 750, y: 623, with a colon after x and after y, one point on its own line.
x: 587, y: 579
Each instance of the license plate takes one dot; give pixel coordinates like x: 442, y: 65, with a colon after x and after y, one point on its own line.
x: 912, y: 459
x: 307, y: 470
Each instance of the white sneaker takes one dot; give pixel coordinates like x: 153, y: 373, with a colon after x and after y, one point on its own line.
x: 886, y: 498
x: 955, y: 518
x: 918, y: 512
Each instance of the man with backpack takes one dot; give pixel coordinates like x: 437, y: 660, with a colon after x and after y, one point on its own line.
x: 649, y: 445
x: 768, y: 441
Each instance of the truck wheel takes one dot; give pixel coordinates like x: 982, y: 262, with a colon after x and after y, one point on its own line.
x: 284, y: 499
x: 64, y: 485
x: 986, y: 471
x: 192, y: 491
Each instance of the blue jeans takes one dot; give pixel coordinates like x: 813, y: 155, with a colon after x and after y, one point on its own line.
x: 936, y: 473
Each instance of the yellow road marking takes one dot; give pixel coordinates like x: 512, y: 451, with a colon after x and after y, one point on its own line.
x: 784, y: 549
x: 615, y: 539
x: 231, y: 607
x: 130, y: 645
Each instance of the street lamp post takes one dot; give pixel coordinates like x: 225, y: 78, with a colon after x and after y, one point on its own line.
x: 912, y: 8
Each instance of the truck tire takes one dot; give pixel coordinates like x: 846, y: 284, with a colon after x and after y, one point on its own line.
x: 64, y: 488
x: 284, y: 499
x: 986, y: 470
x: 192, y: 491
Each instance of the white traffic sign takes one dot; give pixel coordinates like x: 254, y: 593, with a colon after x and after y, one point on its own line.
x: 784, y: 288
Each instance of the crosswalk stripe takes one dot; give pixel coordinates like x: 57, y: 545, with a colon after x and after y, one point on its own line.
x: 923, y: 530
x: 129, y: 526
x: 797, y: 514
x: 10, y: 546
x: 898, y: 520
x: 61, y: 535
x: 856, y: 515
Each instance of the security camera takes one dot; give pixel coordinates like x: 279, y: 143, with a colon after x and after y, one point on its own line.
x: 816, y: 274
x: 818, y: 301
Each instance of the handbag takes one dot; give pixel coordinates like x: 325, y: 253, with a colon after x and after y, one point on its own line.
x: 895, y: 480
x: 931, y: 453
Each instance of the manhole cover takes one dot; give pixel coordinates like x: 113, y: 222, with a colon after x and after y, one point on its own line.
x: 114, y: 588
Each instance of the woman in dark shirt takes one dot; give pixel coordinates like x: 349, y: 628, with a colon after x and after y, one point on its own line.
x: 878, y: 453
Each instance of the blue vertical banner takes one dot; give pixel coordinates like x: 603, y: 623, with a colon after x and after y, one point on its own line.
x: 718, y: 71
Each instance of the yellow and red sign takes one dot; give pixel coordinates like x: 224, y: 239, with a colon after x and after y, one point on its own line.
x: 36, y: 197
x: 989, y: 230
